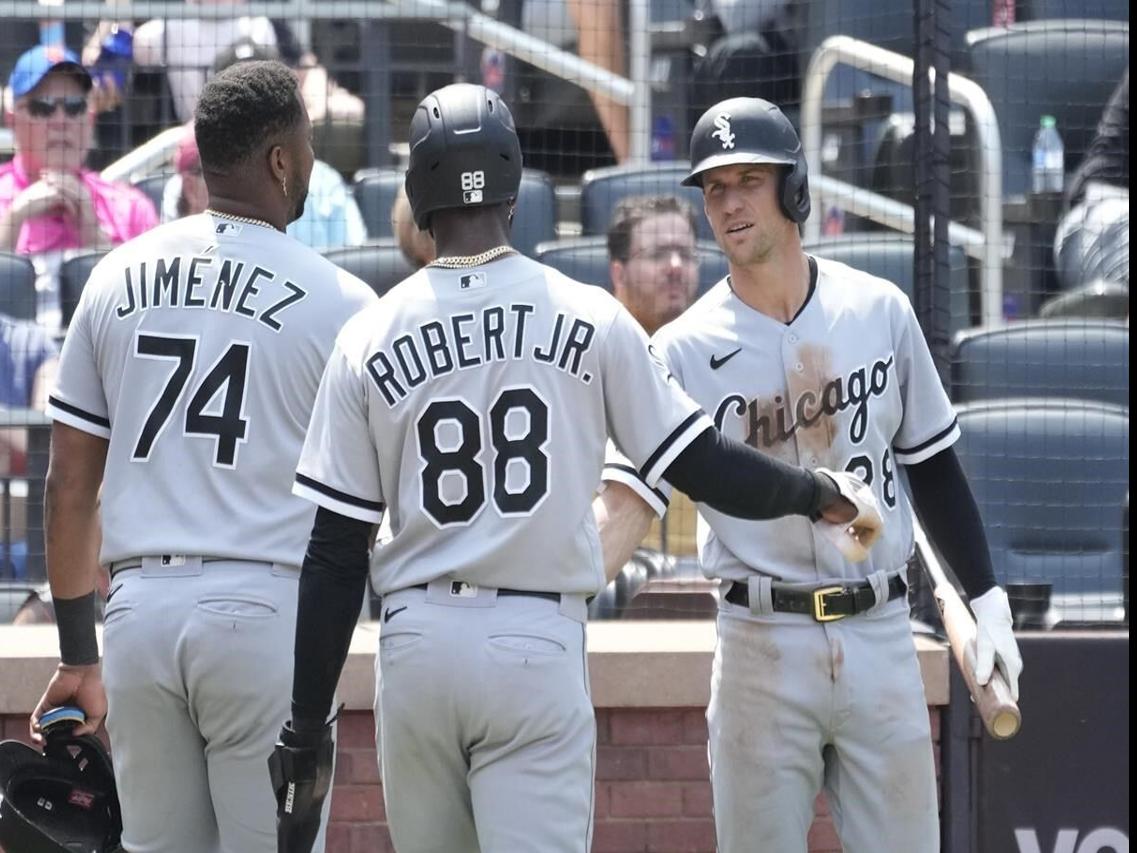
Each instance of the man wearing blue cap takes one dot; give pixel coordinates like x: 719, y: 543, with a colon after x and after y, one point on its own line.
x: 48, y: 201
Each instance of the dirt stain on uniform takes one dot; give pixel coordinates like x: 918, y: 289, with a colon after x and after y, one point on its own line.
x: 816, y: 430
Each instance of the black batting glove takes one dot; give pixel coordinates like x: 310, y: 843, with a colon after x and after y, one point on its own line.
x: 300, y: 769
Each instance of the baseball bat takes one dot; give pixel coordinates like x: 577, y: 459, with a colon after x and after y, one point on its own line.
x: 998, y: 710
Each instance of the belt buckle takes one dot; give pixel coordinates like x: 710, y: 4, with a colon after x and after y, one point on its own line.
x: 819, y: 605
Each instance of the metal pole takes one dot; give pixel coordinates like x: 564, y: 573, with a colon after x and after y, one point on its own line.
x: 639, y: 48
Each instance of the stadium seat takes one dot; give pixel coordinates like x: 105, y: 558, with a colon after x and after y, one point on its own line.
x: 1063, y: 68
x: 600, y: 189
x: 73, y: 275
x: 1050, y: 476
x: 586, y: 259
x: 1043, y: 10
x: 1084, y: 359
x: 17, y: 287
x: 375, y: 191
x: 1106, y: 299
x: 380, y: 263
x: 535, y: 217
x: 154, y: 186
x: 891, y: 256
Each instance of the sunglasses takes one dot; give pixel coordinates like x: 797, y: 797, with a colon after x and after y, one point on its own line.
x: 73, y: 105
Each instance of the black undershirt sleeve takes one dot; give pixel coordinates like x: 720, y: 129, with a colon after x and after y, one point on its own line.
x: 333, y: 580
x: 736, y: 479
x: 948, y: 511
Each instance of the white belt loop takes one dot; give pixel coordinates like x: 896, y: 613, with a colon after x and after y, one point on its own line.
x: 575, y: 607
x: 760, y: 590
x: 878, y: 580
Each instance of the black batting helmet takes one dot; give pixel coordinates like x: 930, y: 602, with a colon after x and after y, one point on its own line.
x: 751, y: 130
x: 464, y: 151
x: 61, y: 800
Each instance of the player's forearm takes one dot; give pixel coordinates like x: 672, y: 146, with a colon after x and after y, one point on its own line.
x: 332, y: 582
x: 71, y: 511
x: 623, y: 519
x: 948, y: 510
x: 600, y: 41
x: 733, y: 478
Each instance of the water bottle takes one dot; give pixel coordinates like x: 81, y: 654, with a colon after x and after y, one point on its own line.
x: 1048, y: 167
x: 662, y: 138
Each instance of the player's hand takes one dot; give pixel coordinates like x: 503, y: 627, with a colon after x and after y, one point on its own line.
x: 300, y: 769
x: 995, y: 639
x: 850, y: 519
x: 81, y: 686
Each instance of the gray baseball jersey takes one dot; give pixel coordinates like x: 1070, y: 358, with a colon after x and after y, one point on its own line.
x: 475, y: 405
x: 848, y: 385
x: 197, y: 349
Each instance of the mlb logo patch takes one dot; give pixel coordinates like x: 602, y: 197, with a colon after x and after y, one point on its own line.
x: 472, y: 281
x: 229, y: 229
x: 173, y: 560
x: 472, y: 197
x: 461, y: 589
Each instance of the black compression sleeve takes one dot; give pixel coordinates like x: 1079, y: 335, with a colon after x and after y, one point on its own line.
x: 332, y: 583
x: 948, y: 510
x: 731, y: 477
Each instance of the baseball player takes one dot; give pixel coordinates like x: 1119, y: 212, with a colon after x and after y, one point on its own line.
x: 473, y: 405
x: 815, y: 681
x: 185, y: 385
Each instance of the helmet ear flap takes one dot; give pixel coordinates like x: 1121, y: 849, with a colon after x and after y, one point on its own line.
x: 794, y: 196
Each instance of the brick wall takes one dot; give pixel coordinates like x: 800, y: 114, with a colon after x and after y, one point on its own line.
x: 652, y: 793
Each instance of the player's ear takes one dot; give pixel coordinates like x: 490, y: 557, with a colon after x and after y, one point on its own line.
x: 616, y: 273
x: 278, y: 163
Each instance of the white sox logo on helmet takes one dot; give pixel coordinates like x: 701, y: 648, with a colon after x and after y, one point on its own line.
x: 722, y: 130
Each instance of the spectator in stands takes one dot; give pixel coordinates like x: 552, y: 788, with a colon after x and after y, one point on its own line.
x: 653, y: 258
x: 654, y: 266
x: 1092, y: 240
x: 417, y: 246
x: 49, y: 202
x: 188, y: 47
x: 752, y: 48
x: 330, y: 219
x: 28, y: 358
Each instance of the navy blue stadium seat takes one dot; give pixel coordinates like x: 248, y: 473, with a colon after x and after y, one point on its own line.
x: 17, y: 287
x: 153, y: 186
x: 891, y: 256
x: 600, y: 189
x: 380, y: 263
x: 73, y: 275
x: 375, y: 191
x: 535, y: 217
x: 586, y: 259
x: 1050, y: 477
x: 1103, y: 299
x: 1084, y: 359
x: 1064, y: 68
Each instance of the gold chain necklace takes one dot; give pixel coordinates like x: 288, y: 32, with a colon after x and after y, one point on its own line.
x: 457, y: 262
x: 246, y: 219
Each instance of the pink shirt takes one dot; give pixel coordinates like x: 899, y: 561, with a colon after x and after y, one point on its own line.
x: 123, y: 212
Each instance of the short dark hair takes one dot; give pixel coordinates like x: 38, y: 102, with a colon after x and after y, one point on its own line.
x: 242, y: 110
x: 632, y: 210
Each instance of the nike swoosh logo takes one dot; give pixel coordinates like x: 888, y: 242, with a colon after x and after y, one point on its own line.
x: 716, y: 363
x: 388, y: 613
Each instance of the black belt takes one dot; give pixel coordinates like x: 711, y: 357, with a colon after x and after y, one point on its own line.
x: 548, y: 596
x: 825, y: 603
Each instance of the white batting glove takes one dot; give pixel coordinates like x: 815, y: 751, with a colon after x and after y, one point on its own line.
x: 852, y: 538
x: 995, y: 639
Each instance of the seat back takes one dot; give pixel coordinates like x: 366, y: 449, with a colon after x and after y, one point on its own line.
x: 586, y: 259
x: 1064, y: 68
x: 17, y: 287
x: 1050, y: 476
x: 600, y: 189
x: 891, y: 256
x: 1084, y: 359
x: 380, y: 263
x: 1106, y: 299
x: 154, y: 186
x: 73, y: 275
x: 375, y: 191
